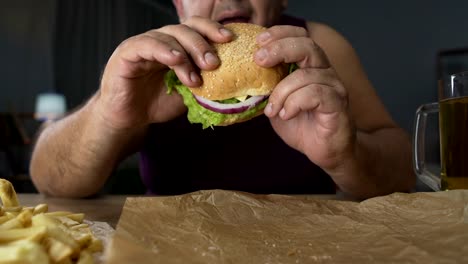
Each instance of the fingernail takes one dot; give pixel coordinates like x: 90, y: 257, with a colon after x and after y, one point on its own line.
x: 210, y: 58
x: 263, y: 37
x: 175, y: 52
x: 194, y: 77
x: 282, y: 113
x: 261, y: 54
x: 225, y: 32
x: 269, y: 109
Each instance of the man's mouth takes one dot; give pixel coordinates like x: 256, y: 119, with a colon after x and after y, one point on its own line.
x: 236, y: 19
x: 234, y: 16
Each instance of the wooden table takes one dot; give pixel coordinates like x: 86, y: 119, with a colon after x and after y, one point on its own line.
x: 103, y: 208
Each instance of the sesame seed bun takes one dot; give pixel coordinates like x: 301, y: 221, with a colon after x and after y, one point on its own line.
x: 238, y: 75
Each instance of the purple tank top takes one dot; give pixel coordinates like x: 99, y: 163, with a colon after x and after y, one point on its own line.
x: 178, y: 157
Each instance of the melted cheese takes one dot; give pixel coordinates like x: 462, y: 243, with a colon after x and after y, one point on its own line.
x: 242, y: 98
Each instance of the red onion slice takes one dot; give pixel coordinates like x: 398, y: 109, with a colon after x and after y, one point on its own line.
x: 230, y: 108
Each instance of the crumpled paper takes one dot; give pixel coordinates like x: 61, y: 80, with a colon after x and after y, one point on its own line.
x: 234, y: 227
x: 102, y: 231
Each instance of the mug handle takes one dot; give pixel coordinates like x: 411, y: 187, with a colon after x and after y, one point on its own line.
x: 419, y: 161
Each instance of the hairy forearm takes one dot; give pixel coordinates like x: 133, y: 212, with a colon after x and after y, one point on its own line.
x: 380, y: 163
x: 73, y: 157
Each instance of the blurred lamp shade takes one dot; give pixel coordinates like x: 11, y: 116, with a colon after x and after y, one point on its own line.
x: 50, y: 106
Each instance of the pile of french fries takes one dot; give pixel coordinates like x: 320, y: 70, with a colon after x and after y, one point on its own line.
x: 34, y: 235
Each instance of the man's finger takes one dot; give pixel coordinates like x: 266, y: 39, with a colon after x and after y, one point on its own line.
x: 142, y: 51
x: 279, y: 32
x: 201, y: 52
x: 318, y: 97
x: 210, y: 29
x: 303, y: 51
x: 298, y: 80
x: 195, y: 36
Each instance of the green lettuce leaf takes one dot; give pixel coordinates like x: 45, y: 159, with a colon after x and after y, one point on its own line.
x: 199, y: 114
x: 229, y: 101
x: 292, y: 67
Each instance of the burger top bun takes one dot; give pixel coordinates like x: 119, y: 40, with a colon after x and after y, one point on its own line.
x: 238, y: 74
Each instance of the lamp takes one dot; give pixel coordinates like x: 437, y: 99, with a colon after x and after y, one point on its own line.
x: 50, y: 106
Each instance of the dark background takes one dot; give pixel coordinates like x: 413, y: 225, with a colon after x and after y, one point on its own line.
x: 62, y: 46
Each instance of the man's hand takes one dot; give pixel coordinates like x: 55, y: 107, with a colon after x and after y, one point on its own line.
x: 132, y: 91
x: 85, y: 146
x: 328, y: 110
x: 309, y: 108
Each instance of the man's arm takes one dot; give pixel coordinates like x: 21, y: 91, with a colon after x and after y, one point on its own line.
x: 380, y: 160
x: 74, y: 156
x: 381, y: 164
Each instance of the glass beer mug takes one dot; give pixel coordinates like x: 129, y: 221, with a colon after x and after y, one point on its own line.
x: 453, y: 131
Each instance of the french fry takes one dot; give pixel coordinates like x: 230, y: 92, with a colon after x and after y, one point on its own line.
x: 12, y: 209
x: 83, y: 239
x: 58, y: 213
x: 8, y: 194
x: 80, y: 226
x: 11, y: 224
x: 23, y: 219
x: 23, y: 251
x: 55, y: 230
x: 85, y: 258
x: 11, y: 214
x: 40, y: 208
x: 96, y: 245
x: 78, y: 217
x: 57, y: 250
x: 5, y: 218
x: 34, y: 235
x: 67, y: 221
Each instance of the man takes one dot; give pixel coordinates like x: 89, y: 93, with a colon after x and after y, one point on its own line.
x: 324, y: 122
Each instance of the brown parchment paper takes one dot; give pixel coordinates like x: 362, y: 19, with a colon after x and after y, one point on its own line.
x: 233, y: 227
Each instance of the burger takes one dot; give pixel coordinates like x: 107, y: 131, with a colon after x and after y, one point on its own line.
x: 238, y: 89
